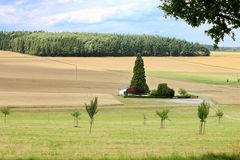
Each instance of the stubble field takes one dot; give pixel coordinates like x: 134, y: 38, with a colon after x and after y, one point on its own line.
x: 24, y: 76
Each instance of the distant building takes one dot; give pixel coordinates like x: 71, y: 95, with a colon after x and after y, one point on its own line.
x: 121, y: 91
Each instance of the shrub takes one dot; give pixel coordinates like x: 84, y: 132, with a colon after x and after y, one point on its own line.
x: 135, y: 90
x: 170, y: 93
x: 182, y: 92
x: 164, y: 91
x: 154, y: 93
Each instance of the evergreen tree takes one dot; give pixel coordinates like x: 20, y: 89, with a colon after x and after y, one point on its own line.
x: 139, y: 78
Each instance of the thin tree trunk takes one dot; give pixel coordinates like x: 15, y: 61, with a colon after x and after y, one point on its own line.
x: 204, y: 124
x: 161, y: 123
x: 77, y: 122
x: 5, y: 117
x: 200, y: 128
x: 74, y: 121
x: 219, y: 120
x: 91, y: 122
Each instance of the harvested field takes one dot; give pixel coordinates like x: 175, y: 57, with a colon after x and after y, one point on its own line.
x: 26, y: 75
x: 66, y: 100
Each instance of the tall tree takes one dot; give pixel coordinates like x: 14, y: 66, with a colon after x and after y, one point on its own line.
x: 92, y: 110
x: 222, y: 15
x: 139, y: 79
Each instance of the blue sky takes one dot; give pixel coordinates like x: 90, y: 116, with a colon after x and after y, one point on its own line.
x: 102, y: 16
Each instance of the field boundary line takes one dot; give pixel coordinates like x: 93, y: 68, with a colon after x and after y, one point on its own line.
x: 202, y: 64
x: 215, y: 106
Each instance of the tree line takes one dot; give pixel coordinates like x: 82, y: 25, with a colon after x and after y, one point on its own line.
x: 93, y: 44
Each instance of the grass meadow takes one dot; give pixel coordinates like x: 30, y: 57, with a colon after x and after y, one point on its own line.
x: 198, y: 77
x: 118, y: 133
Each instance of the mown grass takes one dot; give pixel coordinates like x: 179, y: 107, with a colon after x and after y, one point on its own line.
x: 118, y: 133
x: 208, y: 78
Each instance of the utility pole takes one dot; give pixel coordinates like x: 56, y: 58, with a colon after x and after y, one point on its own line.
x: 76, y: 70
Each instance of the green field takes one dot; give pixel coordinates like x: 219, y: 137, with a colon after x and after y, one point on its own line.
x: 118, y: 132
x: 208, y: 78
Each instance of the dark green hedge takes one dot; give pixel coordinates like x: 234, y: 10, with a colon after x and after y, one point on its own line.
x: 93, y: 44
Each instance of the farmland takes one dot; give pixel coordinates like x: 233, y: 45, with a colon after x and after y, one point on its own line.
x: 43, y: 91
x: 22, y: 74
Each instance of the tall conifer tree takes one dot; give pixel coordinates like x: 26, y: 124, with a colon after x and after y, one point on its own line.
x: 139, y: 78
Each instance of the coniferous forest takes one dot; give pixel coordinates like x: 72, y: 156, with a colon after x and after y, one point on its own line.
x: 92, y: 44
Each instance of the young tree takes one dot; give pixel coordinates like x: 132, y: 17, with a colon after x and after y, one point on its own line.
x: 219, y: 114
x: 5, y: 111
x: 164, y: 116
x: 92, y: 111
x: 139, y: 78
x: 182, y: 92
x: 203, y: 111
x: 76, y: 117
x: 144, y: 119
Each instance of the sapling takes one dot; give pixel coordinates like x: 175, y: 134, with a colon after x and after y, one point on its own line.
x: 219, y: 114
x: 5, y: 111
x: 164, y: 116
x: 75, y: 115
x: 92, y: 111
x: 203, y: 111
x: 182, y: 92
x: 144, y: 119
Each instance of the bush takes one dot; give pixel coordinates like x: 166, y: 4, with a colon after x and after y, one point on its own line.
x: 135, y: 90
x: 170, y: 93
x: 154, y: 93
x: 182, y: 92
x: 163, y: 91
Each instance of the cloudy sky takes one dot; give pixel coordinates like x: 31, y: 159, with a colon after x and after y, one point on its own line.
x: 102, y: 16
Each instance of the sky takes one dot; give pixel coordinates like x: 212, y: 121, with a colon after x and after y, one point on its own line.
x: 101, y: 16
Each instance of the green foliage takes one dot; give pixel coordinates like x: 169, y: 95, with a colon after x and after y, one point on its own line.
x: 182, y: 92
x: 219, y: 114
x: 92, y: 111
x: 203, y: 111
x: 5, y: 111
x: 224, y: 16
x: 154, y: 93
x: 75, y: 115
x: 164, y: 116
x: 139, y: 78
x: 92, y: 44
x: 163, y: 91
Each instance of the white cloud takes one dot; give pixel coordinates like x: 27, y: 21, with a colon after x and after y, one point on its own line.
x: 93, y: 15
x: 112, y: 16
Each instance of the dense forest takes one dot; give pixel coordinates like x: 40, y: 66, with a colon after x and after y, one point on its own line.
x: 92, y: 44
